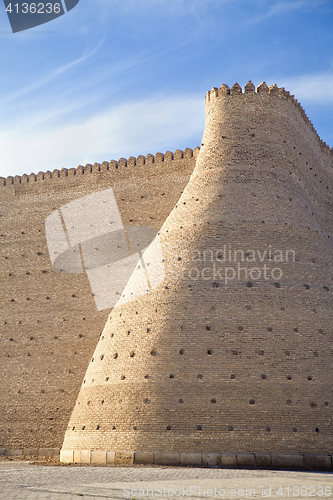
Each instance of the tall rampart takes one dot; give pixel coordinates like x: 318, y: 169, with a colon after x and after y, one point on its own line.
x: 232, y: 353
x: 49, y: 322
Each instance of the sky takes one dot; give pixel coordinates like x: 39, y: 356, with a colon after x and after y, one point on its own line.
x: 120, y: 78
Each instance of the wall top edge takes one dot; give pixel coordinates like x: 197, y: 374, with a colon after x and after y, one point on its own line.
x: 249, y: 88
x: 112, y: 166
x: 262, y: 90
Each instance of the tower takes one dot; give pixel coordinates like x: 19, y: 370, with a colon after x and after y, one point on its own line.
x: 231, y: 353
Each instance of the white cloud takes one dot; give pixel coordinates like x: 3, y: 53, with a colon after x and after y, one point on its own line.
x: 136, y: 128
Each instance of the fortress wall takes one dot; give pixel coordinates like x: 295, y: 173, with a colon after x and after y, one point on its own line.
x: 245, y: 366
x: 49, y: 323
x: 280, y: 134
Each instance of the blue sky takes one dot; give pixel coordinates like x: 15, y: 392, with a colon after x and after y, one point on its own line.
x: 120, y: 78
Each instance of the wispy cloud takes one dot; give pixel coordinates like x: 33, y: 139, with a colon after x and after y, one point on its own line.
x: 136, y: 128
x: 37, y: 84
x: 316, y: 87
x: 283, y: 7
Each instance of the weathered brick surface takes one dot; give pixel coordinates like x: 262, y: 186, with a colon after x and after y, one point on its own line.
x: 85, y: 457
x: 263, y: 460
x: 290, y: 461
x: 143, y: 458
x: 245, y: 459
x: 123, y: 457
x: 318, y: 462
x: 67, y: 456
x: 167, y: 458
x: 211, y: 459
x: 98, y: 457
x: 240, y: 366
x: 110, y: 457
x: 48, y: 452
x: 190, y: 459
x: 228, y: 459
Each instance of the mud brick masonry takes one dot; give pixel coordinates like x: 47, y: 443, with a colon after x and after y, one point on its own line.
x: 198, y: 371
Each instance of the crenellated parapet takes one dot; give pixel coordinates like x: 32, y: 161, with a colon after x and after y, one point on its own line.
x: 112, y: 167
x: 262, y: 91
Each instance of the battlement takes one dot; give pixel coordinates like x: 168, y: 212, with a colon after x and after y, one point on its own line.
x: 112, y: 167
x: 263, y: 90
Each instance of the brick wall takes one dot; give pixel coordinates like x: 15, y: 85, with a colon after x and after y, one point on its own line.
x: 49, y: 324
x: 208, y: 365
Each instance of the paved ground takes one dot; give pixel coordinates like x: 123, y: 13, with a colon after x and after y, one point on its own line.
x: 29, y: 481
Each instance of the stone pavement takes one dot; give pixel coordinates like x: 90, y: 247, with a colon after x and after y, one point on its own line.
x: 27, y: 481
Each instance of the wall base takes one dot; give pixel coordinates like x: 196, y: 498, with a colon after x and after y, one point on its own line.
x: 29, y: 452
x: 254, y: 460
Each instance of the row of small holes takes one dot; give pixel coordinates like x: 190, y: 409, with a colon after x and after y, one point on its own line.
x: 199, y: 376
x: 209, y: 352
x: 198, y: 428
x: 47, y: 298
